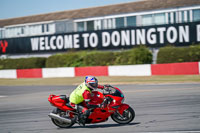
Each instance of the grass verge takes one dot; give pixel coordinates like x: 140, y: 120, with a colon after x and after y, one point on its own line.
x: 102, y: 80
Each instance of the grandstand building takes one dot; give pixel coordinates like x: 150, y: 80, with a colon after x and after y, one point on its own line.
x: 154, y: 23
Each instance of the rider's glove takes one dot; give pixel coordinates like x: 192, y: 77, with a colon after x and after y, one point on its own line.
x: 106, y: 87
x: 100, y: 105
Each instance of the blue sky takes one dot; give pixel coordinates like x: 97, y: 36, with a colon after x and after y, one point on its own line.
x: 19, y: 8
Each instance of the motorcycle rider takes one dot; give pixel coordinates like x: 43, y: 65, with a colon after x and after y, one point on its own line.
x: 80, y: 98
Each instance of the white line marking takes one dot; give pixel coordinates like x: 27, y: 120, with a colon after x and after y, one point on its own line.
x: 2, y: 96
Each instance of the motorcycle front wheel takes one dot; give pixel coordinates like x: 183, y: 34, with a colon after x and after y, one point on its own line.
x: 58, y: 123
x: 127, y: 116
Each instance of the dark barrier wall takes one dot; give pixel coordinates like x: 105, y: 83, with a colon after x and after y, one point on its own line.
x: 181, y: 34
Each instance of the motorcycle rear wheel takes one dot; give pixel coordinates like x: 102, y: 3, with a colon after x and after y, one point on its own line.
x: 60, y: 123
x: 127, y: 116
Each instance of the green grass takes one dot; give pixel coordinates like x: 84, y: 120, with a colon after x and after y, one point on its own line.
x: 102, y: 80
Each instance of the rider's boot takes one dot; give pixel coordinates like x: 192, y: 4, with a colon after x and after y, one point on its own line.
x: 75, y: 119
x: 82, y: 119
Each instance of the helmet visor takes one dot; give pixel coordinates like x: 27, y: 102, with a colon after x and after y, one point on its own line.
x: 94, y: 85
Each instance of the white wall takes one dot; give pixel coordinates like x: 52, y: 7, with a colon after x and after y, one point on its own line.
x: 58, y: 72
x: 8, y: 74
x: 130, y: 70
x: 199, y: 67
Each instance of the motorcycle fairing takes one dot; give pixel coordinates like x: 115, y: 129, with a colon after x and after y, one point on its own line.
x: 59, y: 102
x: 99, y: 115
x: 122, y: 108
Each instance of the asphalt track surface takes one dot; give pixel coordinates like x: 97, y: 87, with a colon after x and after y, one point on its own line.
x: 163, y: 108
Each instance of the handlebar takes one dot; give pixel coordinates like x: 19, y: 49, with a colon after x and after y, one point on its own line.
x: 108, y: 88
x: 106, y: 101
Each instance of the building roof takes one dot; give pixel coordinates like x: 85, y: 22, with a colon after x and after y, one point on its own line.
x: 130, y: 7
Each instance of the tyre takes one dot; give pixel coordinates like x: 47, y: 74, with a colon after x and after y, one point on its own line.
x: 60, y: 123
x: 127, y: 116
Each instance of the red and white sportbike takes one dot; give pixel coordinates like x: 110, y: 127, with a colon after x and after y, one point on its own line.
x: 111, y: 99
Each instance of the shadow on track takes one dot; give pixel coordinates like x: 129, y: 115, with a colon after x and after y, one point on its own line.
x: 105, y: 125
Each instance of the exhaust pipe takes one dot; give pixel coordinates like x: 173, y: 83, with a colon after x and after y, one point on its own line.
x: 57, y: 117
